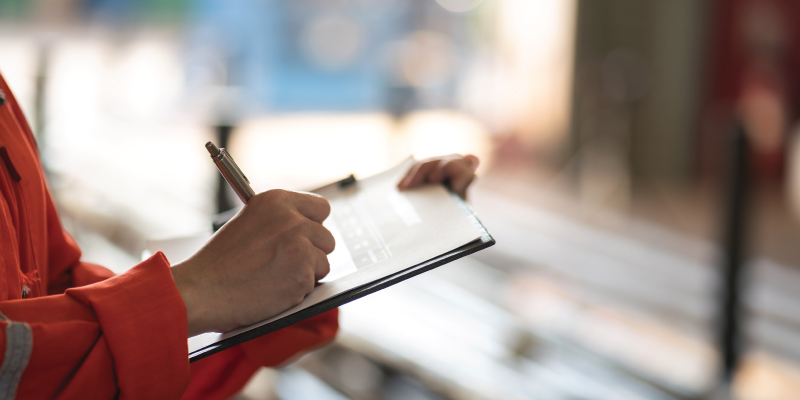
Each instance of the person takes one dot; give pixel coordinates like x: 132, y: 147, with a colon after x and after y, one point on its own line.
x: 71, y: 329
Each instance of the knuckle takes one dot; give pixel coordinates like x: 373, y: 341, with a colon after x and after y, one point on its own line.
x: 304, y: 281
x: 299, y: 282
x: 296, y: 248
x: 312, y: 282
x: 319, y: 204
x: 261, y: 197
x: 296, y: 220
x: 325, y: 206
x: 303, y: 277
x: 292, y: 224
x: 330, y: 243
x: 326, y: 267
x: 274, y: 196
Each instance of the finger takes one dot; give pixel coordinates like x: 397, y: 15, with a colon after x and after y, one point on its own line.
x: 460, y: 183
x: 452, y: 168
x: 321, y: 237
x: 458, y: 174
x: 409, y: 176
x: 439, y: 174
x: 322, y: 266
x: 448, y: 168
x: 312, y: 206
x: 473, y: 161
x: 418, y: 174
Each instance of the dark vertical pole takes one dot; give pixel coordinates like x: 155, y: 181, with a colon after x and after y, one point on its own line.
x: 223, y: 199
x: 734, y: 235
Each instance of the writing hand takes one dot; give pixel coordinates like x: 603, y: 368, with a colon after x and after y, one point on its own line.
x: 262, y: 262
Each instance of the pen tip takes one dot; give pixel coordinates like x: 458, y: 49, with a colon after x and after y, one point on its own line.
x: 212, y: 148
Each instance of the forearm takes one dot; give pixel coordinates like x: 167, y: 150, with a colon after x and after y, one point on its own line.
x: 125, y: 334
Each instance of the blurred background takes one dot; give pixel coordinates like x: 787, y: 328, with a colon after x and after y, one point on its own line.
x: 640, y: 172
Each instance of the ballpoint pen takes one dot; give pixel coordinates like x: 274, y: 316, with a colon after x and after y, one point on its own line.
x: 231, y: 172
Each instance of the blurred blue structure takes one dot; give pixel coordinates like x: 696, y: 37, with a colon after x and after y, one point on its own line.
x: 311, y: 54
x: 291, y: 55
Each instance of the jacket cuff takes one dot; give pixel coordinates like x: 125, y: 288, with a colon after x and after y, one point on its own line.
x: 143, y: 319
x: 279, y: 347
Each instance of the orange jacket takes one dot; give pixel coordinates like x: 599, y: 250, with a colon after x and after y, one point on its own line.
x: 70, y: 329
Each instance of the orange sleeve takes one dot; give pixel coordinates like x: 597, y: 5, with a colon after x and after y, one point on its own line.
x: 223, y: 374
x: 125, y: 334
x: 219, y: 376
x: 84, y: 333
x: 65, y: 270
x: 123, y: 338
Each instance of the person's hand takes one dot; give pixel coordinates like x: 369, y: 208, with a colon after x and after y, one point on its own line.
x: 455, y: 169
x: 262, y: 262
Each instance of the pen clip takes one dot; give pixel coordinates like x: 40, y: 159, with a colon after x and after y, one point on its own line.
x: 224, y: 153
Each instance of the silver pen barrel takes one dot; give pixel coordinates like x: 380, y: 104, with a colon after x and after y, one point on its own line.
x: 231, y: 172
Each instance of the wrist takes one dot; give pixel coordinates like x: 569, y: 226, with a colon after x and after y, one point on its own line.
x: 187, y: 288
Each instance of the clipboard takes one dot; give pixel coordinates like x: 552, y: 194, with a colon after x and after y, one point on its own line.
x: 485, y: 240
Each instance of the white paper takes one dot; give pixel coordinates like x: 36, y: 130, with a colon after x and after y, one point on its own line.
x: 379, y: 231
